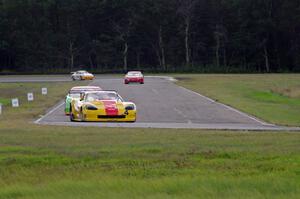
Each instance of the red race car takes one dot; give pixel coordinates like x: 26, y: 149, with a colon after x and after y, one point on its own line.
x: 134, y: 76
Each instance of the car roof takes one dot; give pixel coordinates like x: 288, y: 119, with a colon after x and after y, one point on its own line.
x: 84, y: 87
x: 134, y: 72
x: 102, y: 91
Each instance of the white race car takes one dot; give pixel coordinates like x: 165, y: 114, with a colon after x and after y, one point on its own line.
x: 82, y: 75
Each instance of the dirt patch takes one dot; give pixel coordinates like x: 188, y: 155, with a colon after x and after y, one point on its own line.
x: 292, y: 92
x: 183, y: 78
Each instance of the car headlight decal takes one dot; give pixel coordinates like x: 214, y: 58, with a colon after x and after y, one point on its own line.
x: 91, y: 108
x: 130, y: 107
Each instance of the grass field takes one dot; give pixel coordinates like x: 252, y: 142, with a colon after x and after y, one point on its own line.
x: 68, y: 162
x: 274, y: 98
x: 31, y: 110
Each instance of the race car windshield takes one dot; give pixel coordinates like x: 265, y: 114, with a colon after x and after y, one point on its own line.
x: 81, y: 72
x: 91, y: 97
x: 134, y: 74
x: 75, y: 95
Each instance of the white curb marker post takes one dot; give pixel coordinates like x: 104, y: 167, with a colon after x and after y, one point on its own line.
x: 44, y: 91
x: 15, y: 102
x: 30, y: 97
x: 0, y: 109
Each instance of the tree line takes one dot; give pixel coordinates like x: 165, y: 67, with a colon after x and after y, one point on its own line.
x: 150, y: 35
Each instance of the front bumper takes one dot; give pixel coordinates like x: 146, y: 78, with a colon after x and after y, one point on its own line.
x: 88, y: 77
x: 130, y: 117
x: 135, y: 80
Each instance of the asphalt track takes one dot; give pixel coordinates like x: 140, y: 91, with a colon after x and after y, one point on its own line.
x: 161, y: 104
x: 41, y: 78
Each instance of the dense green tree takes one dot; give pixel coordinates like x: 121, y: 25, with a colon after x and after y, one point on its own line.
x: 159, y: 35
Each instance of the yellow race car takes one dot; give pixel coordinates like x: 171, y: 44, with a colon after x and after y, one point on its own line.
x: 102, y: 106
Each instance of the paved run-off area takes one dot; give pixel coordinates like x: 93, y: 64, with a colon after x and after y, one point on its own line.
x: 163, y: 104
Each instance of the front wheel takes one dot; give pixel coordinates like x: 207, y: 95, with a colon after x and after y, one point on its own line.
x: 133, y: 121
x: 81, y: 117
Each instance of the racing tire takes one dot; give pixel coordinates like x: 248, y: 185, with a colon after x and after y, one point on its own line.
x: 131, y: 121
x: 81, y: 116
x: 71, y: 115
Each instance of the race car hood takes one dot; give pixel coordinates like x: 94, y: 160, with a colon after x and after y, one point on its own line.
x: 111, y: 107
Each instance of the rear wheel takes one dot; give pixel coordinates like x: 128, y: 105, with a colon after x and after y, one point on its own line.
x: 72, y: 119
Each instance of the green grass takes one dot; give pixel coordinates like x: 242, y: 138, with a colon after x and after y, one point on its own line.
x: 5, y: 101
x: 31, y: 110
x: 274, y: 98
x: 76, y: 162
x: 63, y: 162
